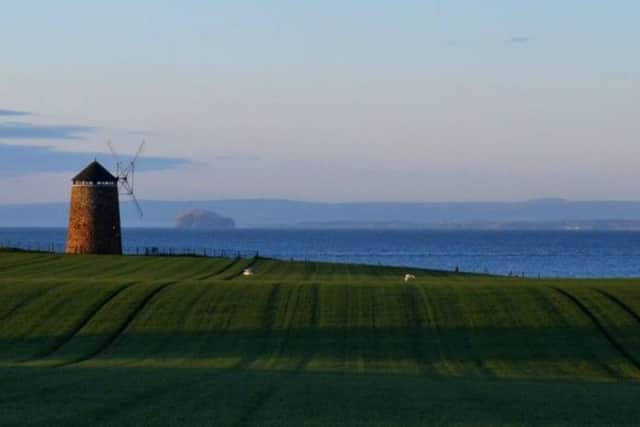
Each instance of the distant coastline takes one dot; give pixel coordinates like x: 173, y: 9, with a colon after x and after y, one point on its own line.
x: 612, y: 225
x: 543, y: 214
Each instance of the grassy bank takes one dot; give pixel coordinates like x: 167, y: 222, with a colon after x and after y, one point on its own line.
x: 135, y: 340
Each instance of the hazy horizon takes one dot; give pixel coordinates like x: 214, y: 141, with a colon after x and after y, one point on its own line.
x: 407, y: 101
x: 552, y: 200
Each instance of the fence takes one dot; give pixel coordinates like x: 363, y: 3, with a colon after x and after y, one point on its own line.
x: 59, y: 248
x: 34, y: 246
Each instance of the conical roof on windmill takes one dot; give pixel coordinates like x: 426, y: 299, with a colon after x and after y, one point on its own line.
x: 94, y: 174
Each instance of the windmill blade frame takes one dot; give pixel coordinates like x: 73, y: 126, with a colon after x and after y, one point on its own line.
x: 126, y: 175
x: 137, y: 205
x: 140, y: 149
x: 116, y: 157
x: 130, y: 169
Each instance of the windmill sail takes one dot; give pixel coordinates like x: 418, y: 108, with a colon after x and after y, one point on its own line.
x: 125, y: 173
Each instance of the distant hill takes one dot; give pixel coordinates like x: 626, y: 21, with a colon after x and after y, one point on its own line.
x: 288, y: 213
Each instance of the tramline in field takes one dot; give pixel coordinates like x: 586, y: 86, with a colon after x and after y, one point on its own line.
x: 127, y: 340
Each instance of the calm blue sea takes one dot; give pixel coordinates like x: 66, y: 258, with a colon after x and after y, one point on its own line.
x: 532, y: 253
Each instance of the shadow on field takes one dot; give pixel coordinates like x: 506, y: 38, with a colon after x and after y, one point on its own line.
x: 490, y: 352
x: 83, y: 396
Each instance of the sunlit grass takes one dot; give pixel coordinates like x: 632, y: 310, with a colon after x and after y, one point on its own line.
x: 117, y: 340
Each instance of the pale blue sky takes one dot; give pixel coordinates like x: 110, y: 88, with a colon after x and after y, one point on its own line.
x: 327, y: 100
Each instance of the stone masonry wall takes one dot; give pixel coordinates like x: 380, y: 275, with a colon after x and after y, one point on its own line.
x: 94, y: 220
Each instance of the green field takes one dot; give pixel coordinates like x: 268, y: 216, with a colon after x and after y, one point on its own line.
x: 88, y: 340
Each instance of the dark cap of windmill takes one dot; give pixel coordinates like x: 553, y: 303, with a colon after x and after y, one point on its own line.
x: 95, y: 173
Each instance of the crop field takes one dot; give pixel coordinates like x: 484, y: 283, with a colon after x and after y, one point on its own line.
x: 88, y: 340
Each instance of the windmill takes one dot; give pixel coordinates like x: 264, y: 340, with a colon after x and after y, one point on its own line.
x: 125, y: 174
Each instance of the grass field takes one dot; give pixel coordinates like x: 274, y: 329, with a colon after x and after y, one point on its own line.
x: 173, y: 341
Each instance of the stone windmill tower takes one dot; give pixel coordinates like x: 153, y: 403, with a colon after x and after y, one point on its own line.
x: 94, y: 215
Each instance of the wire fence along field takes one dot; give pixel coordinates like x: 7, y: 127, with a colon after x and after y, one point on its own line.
x: 183, y: 251
x: 533, y: 254
x: 59, y: 248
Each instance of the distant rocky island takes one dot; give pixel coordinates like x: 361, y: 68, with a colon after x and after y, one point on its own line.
x: 201, y: 219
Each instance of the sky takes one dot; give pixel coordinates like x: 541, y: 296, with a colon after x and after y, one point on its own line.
x: 430, y: 100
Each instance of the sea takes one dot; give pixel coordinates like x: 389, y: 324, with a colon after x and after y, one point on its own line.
x: 578, y: 254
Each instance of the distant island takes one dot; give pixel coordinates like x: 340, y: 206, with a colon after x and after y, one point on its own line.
x: 201, y: 219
